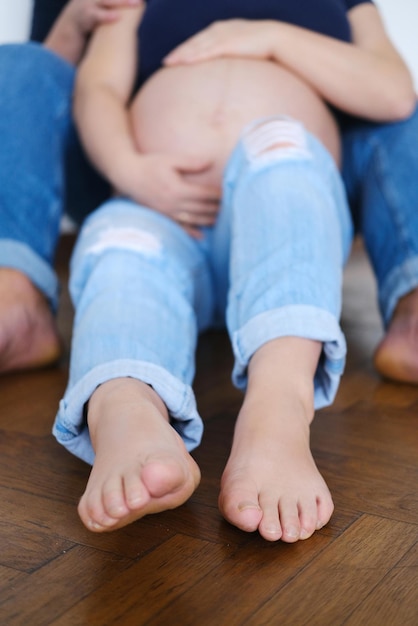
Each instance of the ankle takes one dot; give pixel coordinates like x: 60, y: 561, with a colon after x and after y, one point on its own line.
x: 282, y: 371
x: 17, y: 281
x: 126, y: 394
x: 408, y: 303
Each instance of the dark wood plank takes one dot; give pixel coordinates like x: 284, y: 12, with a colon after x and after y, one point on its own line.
x: 343, y: 576
x: 150, y: 585
x: 55, y: 588
x: 189, y: 566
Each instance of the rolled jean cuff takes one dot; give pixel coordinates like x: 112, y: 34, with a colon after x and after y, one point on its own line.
x: 70, y: 427
x: 19, y: 256
x: 400, y: 281
x: 307, y: 322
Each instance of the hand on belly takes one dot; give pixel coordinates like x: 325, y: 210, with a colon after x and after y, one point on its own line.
x: 200, y: 110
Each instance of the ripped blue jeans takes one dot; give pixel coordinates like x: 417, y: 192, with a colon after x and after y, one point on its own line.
x: 272, y: 266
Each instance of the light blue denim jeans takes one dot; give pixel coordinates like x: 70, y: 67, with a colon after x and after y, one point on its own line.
x: 380, y: 171
x: 43, y: 173
x: 272, y: 266
x: 38, y: 147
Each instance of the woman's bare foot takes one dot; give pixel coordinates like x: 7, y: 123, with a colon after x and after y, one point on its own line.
x: 271, y: 482
x: 28, y: 333
x: 141, y: 465
x: 396, y: 356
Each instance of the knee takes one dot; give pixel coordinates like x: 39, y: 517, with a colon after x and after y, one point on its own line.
x: 121, y: 225
x: 31, y: 70
x: 395, y: 138
x: 109, y: 237
x: 274, y: 139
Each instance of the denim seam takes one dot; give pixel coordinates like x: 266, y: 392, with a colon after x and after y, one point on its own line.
x: 322, y: 326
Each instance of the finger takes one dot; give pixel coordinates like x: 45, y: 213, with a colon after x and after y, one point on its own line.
x: 181, y: 53
x: 196, y: 233
x: 199, y: 208
x: 103, y: 15
x: 200, y: 47
x: 209, y: 194
x: 109, y: 4
x: 203, y: 204
x: 190, y: 218
x: 191, y: 164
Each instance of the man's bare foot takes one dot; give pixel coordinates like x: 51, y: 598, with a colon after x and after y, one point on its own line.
x: 271, y: 482
x: 28, y: 333
x: 141, y: 465
x: 396, y: 356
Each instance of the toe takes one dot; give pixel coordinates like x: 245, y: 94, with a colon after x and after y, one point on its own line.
x: 308, y: 516
x: 240, y: 506
x: 113, y: 499
x: 135, y: 494
x: 289, y: 519
x: 92, y: 512
x: 325, y: 508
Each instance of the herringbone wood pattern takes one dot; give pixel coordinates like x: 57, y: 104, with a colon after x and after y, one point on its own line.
x: 188, y: 566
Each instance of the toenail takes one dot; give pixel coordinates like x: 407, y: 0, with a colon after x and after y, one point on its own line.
x: 304, y: 534
x: 94, y: 525
x: 292, y: 532
x: 134, y: 505
x: 319, y: 525
x: 243, y: 506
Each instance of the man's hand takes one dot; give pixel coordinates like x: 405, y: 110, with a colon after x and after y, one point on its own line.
x: 70, y: 32
x: 229, y: 38
x: 87, y: 14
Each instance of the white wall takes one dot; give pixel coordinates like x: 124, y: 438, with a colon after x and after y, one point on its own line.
x: 14, y: 20
x: 401, y: 19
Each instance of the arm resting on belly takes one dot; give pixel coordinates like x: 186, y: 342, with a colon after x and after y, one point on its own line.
x: 103, y: 87
x: 101, y: 106
x: 367, y: 78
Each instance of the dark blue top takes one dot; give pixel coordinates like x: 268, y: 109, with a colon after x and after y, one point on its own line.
x: 166, y: 23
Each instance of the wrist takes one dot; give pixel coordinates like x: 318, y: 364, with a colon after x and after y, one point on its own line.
x: 126, y: 174
x: 66, y: 38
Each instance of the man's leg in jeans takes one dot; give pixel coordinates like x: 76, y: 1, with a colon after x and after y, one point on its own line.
x: 35, y: 134
x: 380, y: 171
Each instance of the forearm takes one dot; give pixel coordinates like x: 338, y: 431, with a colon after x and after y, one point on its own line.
x: 104, y: 128
x: 366, y: 78
x: 66, y: 39
x: 356, y: 80
x: 78, y: 19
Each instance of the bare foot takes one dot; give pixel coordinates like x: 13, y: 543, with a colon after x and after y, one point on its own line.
x: 271, y: 482
x: 28, y: 333
x: 141, y: 465
x: 396, y: 356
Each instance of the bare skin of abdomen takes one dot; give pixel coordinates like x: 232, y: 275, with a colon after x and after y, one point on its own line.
x: 200, y: 110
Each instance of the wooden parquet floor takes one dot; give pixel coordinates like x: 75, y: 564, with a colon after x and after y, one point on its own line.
x: 188, y: 567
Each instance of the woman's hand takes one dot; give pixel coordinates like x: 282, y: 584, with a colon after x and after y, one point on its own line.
x: 229, y: 38
x: 162, y: 182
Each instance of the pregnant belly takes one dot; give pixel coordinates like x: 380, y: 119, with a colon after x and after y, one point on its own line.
x: 200, y: 110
